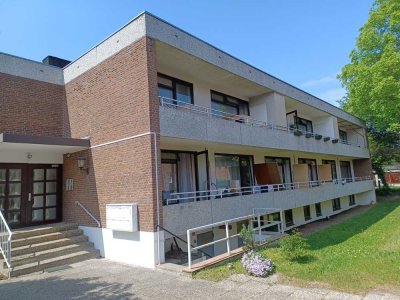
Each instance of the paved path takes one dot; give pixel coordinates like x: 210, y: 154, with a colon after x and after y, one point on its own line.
x: 103, y: 279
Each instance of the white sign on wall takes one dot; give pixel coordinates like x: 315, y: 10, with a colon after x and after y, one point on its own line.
x: 122, y: 217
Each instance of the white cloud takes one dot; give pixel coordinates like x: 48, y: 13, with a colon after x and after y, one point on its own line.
x: 321, y: 81
x: 332, y: 95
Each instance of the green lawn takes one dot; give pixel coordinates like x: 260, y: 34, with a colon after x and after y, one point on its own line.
x: 356, y: 255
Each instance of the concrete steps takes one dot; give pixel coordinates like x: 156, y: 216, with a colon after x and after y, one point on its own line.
x: 40, y: 248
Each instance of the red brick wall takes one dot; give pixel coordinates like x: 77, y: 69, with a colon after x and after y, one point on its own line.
x: 114, y: 100
x: 31, y: 107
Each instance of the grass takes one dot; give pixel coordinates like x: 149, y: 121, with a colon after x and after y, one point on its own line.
x: 357, y: 255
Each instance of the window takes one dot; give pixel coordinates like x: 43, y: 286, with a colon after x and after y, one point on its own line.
x: 284, y: 167
x: 336, y: 204
x: 177, y: 172
x: 343, y: 136
x: 233, y: 171
x: 228, y: 104
x: 345, y: 170
x: 303, y: 124
x: 333, y: 167
x: 318, y: 210
x: 307, y: 212
x: 352, y: 200
x: 172, y: 88
x: 312, y: 168
x: 289, y: 218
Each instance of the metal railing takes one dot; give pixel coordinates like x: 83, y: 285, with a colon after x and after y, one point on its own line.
x: 172, y: 103
x: 88, y: 213
x: 261, y: 224
x: 5, y: 242
x: 167, y: 102
x: 183, y: 197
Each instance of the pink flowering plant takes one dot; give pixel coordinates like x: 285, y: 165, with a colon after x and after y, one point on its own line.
x: 256, y: 264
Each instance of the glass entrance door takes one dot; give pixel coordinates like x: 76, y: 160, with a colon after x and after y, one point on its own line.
x: 12, y: 193
x: 44, y: 196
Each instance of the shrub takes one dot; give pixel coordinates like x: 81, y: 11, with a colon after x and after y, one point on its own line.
x: 257, y: 265
x: 247, y: 236
x: 294, y: 245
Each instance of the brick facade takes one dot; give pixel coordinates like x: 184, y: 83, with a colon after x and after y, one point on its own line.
x: 116, y: 99
x: 32, y: 107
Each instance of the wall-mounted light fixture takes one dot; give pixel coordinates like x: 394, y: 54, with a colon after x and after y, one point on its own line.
x: 82, y: 164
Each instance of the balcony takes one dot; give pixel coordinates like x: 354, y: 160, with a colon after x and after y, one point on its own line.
x: 209, y: 125
x: 188, y: 210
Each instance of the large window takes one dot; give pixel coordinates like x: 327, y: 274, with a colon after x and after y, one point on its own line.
x: 343, y: 136
x: 284, y: 167
x: 228, y: 104
x: 345, y: 170
x: 172, y: 88
x: 312, y: 168
x: 178, y: 172
x: 352, y: 200
x: 318, y: 210
x: 289, y: 218
x: 307, y: 212
x: 233, y: 172
x: 333, y: 167
x: 336, y: 204
x: 303, y: 124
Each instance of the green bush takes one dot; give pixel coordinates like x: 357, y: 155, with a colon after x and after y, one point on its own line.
x: 294, y: 246
x: 247, y: 236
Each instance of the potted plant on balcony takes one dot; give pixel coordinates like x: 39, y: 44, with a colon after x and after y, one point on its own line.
x: 308, y: 135
x: 335, y: 141
x: 292, y: 127
x: 327, y: 138
x: 318, y: 136
x: 297, y: 132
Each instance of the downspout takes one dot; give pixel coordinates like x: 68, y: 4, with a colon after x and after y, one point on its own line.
x: 157, y: 195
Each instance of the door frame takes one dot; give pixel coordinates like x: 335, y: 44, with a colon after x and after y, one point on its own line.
x: 59, y: 194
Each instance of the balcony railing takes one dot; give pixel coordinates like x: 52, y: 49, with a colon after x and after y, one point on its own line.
x: 183, y: 197
x: 172, y: 103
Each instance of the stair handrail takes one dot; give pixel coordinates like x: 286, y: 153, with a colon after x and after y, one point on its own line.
x: 182, y: 240
x: 5, y: 242
x: 88, y: 213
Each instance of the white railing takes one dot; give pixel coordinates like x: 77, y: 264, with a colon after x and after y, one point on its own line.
x: 88, y: 213
x: 183, y: 197
x: 5, y: 242
x: 172, y: 103
x: 256, y: 217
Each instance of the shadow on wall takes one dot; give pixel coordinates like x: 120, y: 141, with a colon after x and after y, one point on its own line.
x: 341, y: 232
x: 57, y: 288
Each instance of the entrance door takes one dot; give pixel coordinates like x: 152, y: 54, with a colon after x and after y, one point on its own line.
x: 13, y: 193
x: 44, y: 194
x: 30, y: 194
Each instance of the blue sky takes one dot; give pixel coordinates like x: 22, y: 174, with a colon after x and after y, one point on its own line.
x: 303, y: 42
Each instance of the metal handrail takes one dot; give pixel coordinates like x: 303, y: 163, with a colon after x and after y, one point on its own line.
x: 182, y: 240
x: 168, y: 102
x: 256, y: 189
x: 88, y: 212
x: 5, y: 242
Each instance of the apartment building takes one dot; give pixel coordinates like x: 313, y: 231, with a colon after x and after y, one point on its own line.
x: 154, y: 137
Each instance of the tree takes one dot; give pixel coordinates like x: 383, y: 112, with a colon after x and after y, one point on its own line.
x: 372, y: 80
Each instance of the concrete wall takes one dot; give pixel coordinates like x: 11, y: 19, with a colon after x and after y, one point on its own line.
x: 211, y: 129
x: 180, y: 217
x: 269, y: 108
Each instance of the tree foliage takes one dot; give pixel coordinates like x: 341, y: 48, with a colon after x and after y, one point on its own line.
x: 372, y: 81
x: 372, y: 78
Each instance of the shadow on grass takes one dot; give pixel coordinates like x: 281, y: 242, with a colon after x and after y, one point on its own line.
x: 339, y: 233
x: 305, y: 259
